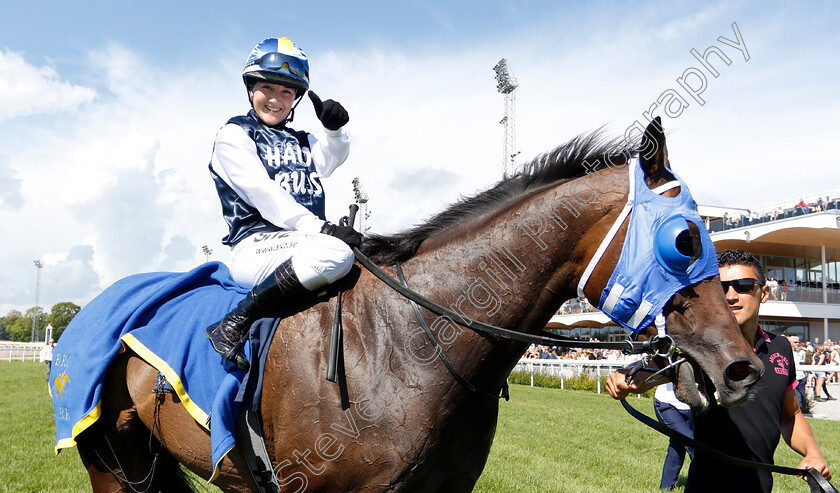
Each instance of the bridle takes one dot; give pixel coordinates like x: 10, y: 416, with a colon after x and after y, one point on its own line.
x: 670, y: 347
x: 660, y: 345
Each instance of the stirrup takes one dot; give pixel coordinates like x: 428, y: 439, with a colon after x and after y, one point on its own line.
x: 236, y: 356
x: 232, y: 352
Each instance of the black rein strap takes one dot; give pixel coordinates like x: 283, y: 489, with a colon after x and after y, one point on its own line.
x: 548, y: 339
x: 439, y: 351
x: 816, y: 481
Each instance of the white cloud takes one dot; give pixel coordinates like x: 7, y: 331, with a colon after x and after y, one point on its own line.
x: 26, y: 89
x: 179, y: 250
x: 69, y: 277
x: 122, y: 180
x: 676, y: 28
x: 117, y: 201
x: 11, y: 198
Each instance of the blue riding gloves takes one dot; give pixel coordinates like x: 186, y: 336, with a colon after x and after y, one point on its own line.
x: 332, y: 115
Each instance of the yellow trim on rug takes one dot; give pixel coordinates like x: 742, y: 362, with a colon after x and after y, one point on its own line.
x: 216, y: 470
x: 171, y: 376
x: 79, y: 427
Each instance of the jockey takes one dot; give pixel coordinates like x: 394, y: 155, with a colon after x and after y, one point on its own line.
x: 268, y: 177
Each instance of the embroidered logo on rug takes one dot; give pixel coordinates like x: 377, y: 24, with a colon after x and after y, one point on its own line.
x: 60, y: 381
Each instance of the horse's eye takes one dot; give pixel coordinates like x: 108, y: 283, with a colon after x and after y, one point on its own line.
x: 684, y: 243
x: 696, y: 245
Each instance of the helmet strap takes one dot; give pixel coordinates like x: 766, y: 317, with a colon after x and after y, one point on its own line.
x: 292, y: 112
x: 288, y: 118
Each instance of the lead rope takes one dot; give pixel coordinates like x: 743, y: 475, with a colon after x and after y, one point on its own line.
x: 816, y: 481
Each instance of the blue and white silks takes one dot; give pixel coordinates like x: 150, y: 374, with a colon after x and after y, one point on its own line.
x: 650, y: 269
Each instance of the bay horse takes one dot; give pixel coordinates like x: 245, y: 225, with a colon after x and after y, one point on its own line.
x: 508, y: 256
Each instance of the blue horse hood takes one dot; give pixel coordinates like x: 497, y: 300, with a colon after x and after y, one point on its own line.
x: 651, y: 269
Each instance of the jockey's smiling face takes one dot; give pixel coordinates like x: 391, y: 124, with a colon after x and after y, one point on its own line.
x: 272, y: 102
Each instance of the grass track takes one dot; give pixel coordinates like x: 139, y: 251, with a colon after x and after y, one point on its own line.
x: 547, y: 441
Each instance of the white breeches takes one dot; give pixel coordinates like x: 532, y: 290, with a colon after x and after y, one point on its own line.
x: 318, y: 259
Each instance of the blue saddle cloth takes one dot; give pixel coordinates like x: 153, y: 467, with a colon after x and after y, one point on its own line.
x: 161, y: 316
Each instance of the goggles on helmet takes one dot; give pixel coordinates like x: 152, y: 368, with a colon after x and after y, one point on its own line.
x: 279, y: 62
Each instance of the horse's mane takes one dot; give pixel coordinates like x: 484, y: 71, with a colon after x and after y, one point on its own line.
x: 563, y: 163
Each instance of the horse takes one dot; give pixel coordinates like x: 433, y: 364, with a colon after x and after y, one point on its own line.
x: 398, y: 420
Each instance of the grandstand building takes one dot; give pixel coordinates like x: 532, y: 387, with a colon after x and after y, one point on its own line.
x: 797, y: 243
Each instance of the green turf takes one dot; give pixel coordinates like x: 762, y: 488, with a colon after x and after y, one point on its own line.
x: 27, y: 435
x: 548, y: 440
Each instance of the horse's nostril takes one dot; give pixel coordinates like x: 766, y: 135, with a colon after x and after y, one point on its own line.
x: 738, y: 371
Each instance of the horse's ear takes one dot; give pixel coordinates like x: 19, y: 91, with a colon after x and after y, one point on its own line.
x: 653, y: 154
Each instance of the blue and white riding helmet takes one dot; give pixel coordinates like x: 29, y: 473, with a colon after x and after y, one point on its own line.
x: 280, y: 61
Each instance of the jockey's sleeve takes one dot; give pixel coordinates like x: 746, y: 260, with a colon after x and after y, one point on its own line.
x: 330, y: 149
x: 236, y: 161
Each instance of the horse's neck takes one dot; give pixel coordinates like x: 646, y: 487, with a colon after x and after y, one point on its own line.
x: 513, y: 268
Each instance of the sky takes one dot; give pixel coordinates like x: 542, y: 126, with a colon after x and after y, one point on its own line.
x: 109, y: 110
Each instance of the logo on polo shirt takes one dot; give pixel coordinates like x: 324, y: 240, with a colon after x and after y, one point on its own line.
x: 782, y: 364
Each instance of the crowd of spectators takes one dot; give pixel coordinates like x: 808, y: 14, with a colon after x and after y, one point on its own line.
x: 751, y: 217
x: 576, y: 305
x: 780, y: 290
x: 814, y: 383
x: 546, y: 352
x: 814, y: 353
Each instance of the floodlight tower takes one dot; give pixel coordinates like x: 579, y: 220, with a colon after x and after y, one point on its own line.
x: 362, y: 200
x: 38, y: 266
x: 506, y: 84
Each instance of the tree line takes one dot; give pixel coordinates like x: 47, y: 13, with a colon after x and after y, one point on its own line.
x: 17, y: 326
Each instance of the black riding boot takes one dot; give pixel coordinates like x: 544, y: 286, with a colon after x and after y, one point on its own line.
x: 230, y: 334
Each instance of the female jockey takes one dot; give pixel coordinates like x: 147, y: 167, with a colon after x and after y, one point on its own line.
x: 268, y: 179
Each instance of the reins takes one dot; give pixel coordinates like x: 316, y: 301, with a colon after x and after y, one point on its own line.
x: 654, y: 345
x: 547, y: 339
x: 657, y: 344
x: 660, y: 344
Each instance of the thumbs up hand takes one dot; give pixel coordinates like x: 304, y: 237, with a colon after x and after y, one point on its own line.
x: 332, y: 115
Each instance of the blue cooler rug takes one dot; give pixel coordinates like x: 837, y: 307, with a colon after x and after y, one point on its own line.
x: 161, y: 316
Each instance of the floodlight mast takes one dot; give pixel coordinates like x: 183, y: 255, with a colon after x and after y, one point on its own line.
x: 35, y: 314
x: 506, y: 84
x: 361, y: 199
